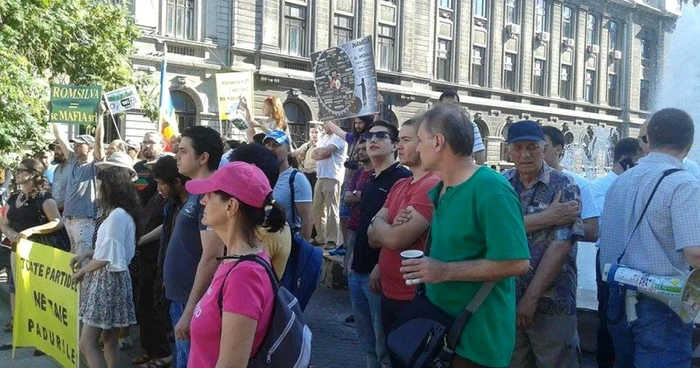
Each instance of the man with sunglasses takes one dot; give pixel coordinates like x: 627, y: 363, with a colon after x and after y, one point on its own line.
x: 626, y: 154
x: 79, y: 208
x: 688, y: 164
x: 382, y: 139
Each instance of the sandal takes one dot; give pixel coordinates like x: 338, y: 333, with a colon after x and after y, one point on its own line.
x: 158, y: 363
x: 142, y: 358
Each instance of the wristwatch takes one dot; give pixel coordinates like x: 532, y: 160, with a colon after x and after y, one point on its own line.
x: 354, y: 192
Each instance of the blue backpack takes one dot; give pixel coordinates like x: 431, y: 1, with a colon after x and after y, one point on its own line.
x: 303, y: 271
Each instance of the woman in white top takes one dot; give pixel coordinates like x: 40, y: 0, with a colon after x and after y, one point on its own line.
x: 107, y: 300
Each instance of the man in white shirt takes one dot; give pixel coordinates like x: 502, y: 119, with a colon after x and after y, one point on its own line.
x: 626, y: 154
x: 330, y: 154
x: 589, y: 212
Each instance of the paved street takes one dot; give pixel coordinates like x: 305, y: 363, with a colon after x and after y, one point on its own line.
x: 334, y: 342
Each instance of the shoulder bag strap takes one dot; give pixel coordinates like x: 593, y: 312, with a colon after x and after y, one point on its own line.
x: 293, y: 220
x: 250, y: 258
x: 460, y: 323
x: 646, y: 206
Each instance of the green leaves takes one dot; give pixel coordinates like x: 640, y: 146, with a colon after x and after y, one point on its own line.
x: 78, y: 41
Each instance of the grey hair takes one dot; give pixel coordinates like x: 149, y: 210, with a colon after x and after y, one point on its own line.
x: 454, y: 124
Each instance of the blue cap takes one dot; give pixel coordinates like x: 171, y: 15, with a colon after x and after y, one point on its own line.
x: 526, y: 130
x: 278, y: 135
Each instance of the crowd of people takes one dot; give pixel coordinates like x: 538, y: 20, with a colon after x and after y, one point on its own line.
x: 149, y: 235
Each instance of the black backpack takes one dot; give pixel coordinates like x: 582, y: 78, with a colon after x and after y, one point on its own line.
x: 287, y: 342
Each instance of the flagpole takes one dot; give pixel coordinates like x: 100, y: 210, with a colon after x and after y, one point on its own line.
x: 162, y: 86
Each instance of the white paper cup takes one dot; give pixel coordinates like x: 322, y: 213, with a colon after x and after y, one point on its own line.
x: 411, y: 254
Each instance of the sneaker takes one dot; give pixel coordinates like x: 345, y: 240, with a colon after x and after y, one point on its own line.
x: 330, y: 245
x: 125, y: 343
x: 340, y: 251
x: 350, y: 319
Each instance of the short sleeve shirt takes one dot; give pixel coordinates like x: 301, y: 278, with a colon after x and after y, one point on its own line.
x: 58, y: 188
x: 245, y: 290
x: 80, y: 188
x: 478, y: 141
x: 332, y: 167
x: 479, y: 219
x: 116, y: 241
x: 184, y: 251
x: 145, y: 184
x: 278, y: 246
x: 283, y: 194
x: 403, y: 194
x: 589, y: 209
x: 560, y: 298
x: 358, y: 182
x: 373, y: 197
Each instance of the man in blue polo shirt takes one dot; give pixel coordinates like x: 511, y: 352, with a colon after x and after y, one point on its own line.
x: 364, y: 281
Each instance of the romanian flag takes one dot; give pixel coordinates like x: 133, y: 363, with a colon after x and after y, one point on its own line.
x: 168, y: 121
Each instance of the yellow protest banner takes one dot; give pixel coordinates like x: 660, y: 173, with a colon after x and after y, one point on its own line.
x: 46, y: 303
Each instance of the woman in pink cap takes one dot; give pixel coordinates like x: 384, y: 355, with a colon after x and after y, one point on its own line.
x: 231, y: 319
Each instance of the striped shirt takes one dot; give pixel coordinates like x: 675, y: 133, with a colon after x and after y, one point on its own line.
x: 670, y: 224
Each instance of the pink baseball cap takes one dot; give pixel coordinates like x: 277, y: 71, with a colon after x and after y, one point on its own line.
x: 242, y: 180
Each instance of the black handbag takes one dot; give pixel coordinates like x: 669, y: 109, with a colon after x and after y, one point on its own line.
x: 424, y: 335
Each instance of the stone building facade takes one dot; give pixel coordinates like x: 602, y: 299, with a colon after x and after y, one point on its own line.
x: 590, y: 67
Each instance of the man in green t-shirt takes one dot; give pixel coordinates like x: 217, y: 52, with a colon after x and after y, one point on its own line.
x: 478, y: 235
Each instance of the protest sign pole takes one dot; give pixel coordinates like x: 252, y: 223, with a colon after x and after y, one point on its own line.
x: 160, y: 104
x: 111, y: 115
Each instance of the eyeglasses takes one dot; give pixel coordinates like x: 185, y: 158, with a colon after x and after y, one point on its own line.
x: 644, y: 139
x: 379, y: 135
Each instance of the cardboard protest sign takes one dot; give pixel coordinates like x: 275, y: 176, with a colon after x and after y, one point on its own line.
x: 46, y: 303
x: 123, y: 99
x: 345, y: 80
x: 232, y: 89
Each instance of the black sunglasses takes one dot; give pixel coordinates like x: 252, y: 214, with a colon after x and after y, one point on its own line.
x: 379, y: 135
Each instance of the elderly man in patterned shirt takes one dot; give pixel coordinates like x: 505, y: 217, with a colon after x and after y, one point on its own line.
x: 546, y: 295
x: 664, y: 243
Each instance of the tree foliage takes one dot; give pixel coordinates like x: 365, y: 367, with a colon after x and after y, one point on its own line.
x: 56, y: 41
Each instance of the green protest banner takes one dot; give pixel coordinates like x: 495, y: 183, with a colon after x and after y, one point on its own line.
x: 74, y: 104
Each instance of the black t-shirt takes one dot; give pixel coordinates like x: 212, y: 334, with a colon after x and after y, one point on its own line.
x: 373, y: 197
x: 146, y: 185
x: 29, y: 215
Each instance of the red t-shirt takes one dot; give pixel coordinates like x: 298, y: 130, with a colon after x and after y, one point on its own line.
x: 358, y: 181
x: 248, y: 292
x: 404, y: 194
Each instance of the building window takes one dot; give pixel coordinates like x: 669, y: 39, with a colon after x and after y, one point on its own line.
x: 592, y: 30
x: 479, y: 66
x: 185, y: 110
x: 444, y: 60
x: 295, y: 29
x: 567, y: 23
x: 387, y: 47
x: 566, y: 85
x: 298, y: 122
x: 180, y: 19
x: 480, y: 8
x: 342, y: 29
x: 644, y: 95
x: 538, y: 82
x: 447, y: 4
x: 512, y: 11
x: 613, y: 35
x: 613, y: 98
x: 510, y: 68
x: 645, y: 45
x: 589, y: 88
x: 541, y: 16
